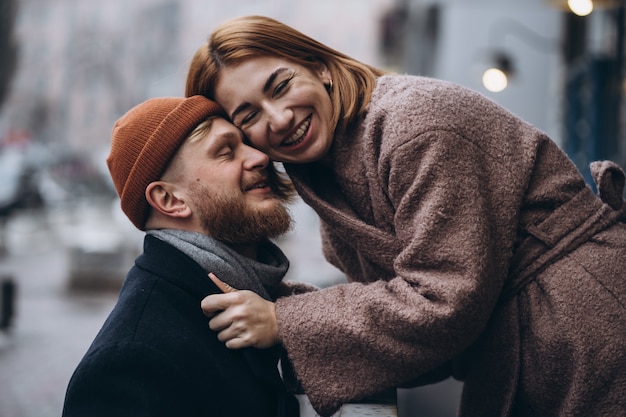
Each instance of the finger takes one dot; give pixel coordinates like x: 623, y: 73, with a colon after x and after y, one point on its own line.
x: 229, y: 336
x: 237, y: 343
x: 233, y: 339
x: 221, y: 324
x: 215, y: 303
x: 221, y: 284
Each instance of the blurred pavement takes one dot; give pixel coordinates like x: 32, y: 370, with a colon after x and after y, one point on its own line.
x: 52, y: 327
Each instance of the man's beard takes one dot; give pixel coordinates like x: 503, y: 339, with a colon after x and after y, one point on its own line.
x: 228, y: 219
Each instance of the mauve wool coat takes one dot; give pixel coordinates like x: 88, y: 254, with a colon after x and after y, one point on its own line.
x: 473, y: 248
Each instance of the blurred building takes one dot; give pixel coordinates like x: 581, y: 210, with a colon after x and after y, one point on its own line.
x: 566, y: 73
x: 83, y: 64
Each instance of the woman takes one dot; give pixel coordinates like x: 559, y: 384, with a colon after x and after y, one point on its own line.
x: 471, y: 243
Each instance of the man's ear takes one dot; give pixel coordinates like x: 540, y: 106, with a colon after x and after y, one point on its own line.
x: 163, y: 197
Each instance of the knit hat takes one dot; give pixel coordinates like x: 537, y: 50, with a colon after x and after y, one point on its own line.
x: 145, y: 140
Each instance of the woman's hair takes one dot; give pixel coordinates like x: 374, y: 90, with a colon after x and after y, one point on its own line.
x: 241, y: 38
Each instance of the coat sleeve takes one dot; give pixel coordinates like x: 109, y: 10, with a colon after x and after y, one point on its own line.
x: 456, y: 205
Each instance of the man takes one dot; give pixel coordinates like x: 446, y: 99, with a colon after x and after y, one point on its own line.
x: 209, y: 204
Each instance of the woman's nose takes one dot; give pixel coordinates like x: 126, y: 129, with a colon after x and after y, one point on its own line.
x: 279, y: 119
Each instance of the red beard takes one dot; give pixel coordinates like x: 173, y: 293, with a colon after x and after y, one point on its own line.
x: 228, y: 219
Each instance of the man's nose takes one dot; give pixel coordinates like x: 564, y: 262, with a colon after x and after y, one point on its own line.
x: 256, y: 159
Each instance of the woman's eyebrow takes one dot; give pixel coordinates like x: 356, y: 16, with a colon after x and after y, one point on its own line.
x: 239, y: 109
x: 266, y: 87
x: 272, y: 77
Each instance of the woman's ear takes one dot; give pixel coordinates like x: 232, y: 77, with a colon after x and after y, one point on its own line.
x: 163, y: 197
x: 322, y: 71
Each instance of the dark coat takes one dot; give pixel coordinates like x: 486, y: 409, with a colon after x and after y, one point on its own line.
x: 156, y: 356
x: 469, y: 239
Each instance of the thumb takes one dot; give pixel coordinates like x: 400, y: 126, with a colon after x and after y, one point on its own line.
x: 221, y: 284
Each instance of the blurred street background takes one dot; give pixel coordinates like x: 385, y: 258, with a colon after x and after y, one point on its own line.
x: 69, y: 69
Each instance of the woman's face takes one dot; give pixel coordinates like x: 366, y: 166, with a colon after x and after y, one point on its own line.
x: 282, y: 107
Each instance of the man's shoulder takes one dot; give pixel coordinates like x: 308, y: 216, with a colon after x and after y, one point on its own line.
x: 161, y: 258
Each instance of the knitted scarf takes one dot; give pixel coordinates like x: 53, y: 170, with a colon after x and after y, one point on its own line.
x: 236, y: 270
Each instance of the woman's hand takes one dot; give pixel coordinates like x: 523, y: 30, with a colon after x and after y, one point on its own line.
x: 241, y: 318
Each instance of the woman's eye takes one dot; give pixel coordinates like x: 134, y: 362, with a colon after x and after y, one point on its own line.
x: 280, y: 87
x: 248, y: 118
x: 283, y: 84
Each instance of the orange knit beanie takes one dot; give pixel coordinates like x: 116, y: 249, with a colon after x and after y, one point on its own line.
x: 145, y: 140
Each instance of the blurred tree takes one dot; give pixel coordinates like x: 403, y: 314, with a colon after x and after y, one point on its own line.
x: 8, y: 46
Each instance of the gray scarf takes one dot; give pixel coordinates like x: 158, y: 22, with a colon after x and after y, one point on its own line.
x: 228, y: 265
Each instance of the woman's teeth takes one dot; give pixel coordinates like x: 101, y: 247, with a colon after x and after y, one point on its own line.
x: 298, y: 135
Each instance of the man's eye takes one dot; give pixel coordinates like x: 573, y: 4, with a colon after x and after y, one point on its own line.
x: 226, y: 152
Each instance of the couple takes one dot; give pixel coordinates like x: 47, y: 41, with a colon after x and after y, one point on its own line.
x: 472, y: 246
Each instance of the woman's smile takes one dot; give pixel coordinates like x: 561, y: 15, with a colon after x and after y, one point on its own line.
x: 299, y: 135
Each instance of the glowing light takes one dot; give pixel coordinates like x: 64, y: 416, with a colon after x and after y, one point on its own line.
x: 580, y: 7
x: 495, y: 80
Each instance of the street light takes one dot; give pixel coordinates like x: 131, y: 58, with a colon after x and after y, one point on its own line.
x: 580, y: 7
x: 584, y: 7
x: 501, y: 68
x: 496, y: 77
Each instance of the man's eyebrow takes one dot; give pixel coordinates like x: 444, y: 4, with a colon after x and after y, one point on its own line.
x: 266, y: 87
x: 220, y: 140
x: 231, y: 135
